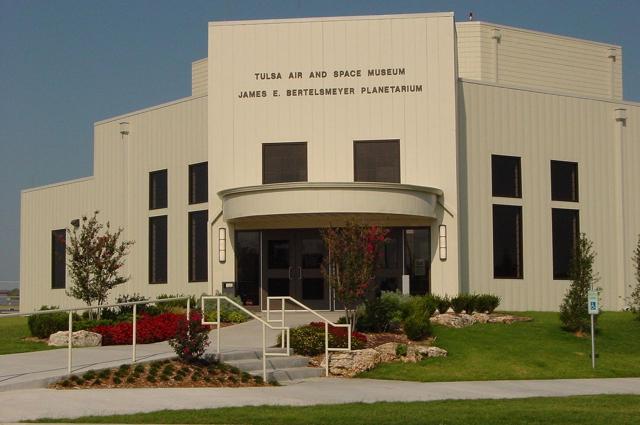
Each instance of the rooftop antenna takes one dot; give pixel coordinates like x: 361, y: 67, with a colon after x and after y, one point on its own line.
x: 471, y: 16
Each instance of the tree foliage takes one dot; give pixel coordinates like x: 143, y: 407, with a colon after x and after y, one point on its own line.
x: 350, y: 264
x: 574, y: 312
x: 95, y: 260
x: 634, y: 301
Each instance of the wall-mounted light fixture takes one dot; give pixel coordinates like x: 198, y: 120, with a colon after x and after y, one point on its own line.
x: 222, y: 244
x: 442, y: 242
x: 124, y: 128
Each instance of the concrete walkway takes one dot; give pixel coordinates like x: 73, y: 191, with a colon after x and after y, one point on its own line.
x: 33, y: 370
x: 32, y: 404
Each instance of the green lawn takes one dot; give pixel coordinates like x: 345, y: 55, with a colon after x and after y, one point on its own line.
x: 531, y: 350
x: 619, y: 410
x: 12, y: 332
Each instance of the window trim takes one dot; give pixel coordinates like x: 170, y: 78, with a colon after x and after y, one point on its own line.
x: 519, y: 176
x: 151, y: 175
x: 397, y: 143
x: 306, y: 159
x: 577, y: 187
x: 520, y: 275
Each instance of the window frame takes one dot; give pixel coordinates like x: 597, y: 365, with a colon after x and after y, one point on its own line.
x: 55, y: 235
x: 193, y: 183
x: 518, y: 185
x: 192, y: 256
x: 153, y: 280
x: 520, y: 242
x: 266, y: 145
x: 576, y: 188
x: 153, y: 201
x: 399, y: 154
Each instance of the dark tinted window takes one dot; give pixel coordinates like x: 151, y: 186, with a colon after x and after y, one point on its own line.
x: 247, y: 251
x: 566, y: 228
x: 198, y: 246
x: 58, y: 258
x: 158, y: 189
x: 198, y: 183
x: 564, y: 181
x: 377, y: 161
x: 507, y: 241
x: 284, y: 162
x: 505, y: 176
x: 158, y: 249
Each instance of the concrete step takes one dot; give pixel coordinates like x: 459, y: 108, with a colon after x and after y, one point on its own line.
x: 272, y: 363
x: 290, y: 375
x: 247, y: 354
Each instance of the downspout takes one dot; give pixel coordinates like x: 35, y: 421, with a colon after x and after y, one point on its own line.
x: 620, y: 115
x: 211, y: 245
x: 497, y: 36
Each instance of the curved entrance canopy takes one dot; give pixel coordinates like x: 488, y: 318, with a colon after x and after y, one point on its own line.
x: 296, y: 204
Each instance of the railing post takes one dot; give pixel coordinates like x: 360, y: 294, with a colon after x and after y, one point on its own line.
x: 135, y: 332
x: 70, y: 342
x: 282, y: 322
x: 188, y: 309
x: 326, y: 348
x: 218, y: 330
x: 264, y: 352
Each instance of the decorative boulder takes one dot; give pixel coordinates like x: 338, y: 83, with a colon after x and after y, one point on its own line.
x: 78, y: 339
x: 350, y: 363
x: 508, y: 319
x: 387, y: 351
x: 453, y: 320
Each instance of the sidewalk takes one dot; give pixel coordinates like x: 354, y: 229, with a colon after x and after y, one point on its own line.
x: 32, y: 370
x: 32, y: 404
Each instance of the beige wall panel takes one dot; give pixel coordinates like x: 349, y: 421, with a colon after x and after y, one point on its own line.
x: 43, y: 210
x: 199, y: 77
x: 539, y: 127
x: 424, y: 122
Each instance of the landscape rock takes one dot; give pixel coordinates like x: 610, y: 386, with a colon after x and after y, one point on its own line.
x: 387, y: 351
x: 462, y: 320
x: 79, y: 339
x: 508, y: 319
x: 350, y: 363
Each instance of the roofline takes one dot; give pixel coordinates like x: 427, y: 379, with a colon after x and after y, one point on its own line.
x: 333, y: 18
x: 548, y: 34
x: 49, y: 186
x: 150, y: 108
x: 551, y: 92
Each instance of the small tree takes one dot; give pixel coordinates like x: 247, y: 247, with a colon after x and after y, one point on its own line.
x: 96, y: 257
x: 634, y: 301
x: 574, y: 312
x: 350, y: 264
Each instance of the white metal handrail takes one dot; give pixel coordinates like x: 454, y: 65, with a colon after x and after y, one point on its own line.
x: 326, y: 321
x: 283, y: 329
x: 98, y: 307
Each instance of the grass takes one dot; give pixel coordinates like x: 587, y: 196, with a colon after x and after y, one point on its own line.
x: 13, y: 330
x: 613, y: 409
x: 530, y: 350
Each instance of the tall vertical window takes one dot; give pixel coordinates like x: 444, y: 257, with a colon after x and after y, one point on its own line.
x: 158, y: 249
x: 566, y: 228
x: 506, y: 176
x: 564, y: 181
x: 376, y: 161
x: 198, y: 246
x: 198, y: 183
x: 158, y: 189
x: 284, y: 162
x: 58, y: 258
x: 507, y: 241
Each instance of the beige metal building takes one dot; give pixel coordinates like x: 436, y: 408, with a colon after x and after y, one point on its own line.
x: 484, y: 148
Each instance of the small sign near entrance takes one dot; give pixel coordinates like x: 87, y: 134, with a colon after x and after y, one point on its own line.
x: 593, y: 303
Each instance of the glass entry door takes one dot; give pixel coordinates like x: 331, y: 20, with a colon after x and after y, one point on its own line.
x: 291, y: 265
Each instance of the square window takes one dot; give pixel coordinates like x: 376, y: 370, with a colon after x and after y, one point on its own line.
x: 505, y: 176
x: 376, y: 161
x: 284, y: 162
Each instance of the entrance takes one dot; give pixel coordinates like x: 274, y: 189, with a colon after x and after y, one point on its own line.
x: 291, y: 266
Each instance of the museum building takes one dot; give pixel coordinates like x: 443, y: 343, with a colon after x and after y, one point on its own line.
x: 485, y: 149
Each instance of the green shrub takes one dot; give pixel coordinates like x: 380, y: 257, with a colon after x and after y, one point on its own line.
x: 401, y: 350
x: 470, y: 303
x: 139, y: 368
x: 175, y: 306
x: 458, y: 303
x: 87, y: 324
x: 382, y: 314
x: 307, y: 340
x: 89, y: 375
x: 487, y: 303
x: 443, y: 303
x: 417, y: 327
x: 634, y: 298
x: 131, y: 379
x: 258, y: 380
x: 104, y: 374
x: 228, y: 312
x: 117, y: 380
x: 43, y: 325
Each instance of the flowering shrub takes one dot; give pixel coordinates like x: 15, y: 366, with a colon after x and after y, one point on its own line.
x: 149, y: 329
x: 191, y: 339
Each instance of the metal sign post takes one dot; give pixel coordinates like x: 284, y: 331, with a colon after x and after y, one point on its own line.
x: 594, y: 308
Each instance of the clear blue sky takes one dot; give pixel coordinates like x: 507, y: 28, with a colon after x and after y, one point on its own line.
x: 66, y: 64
